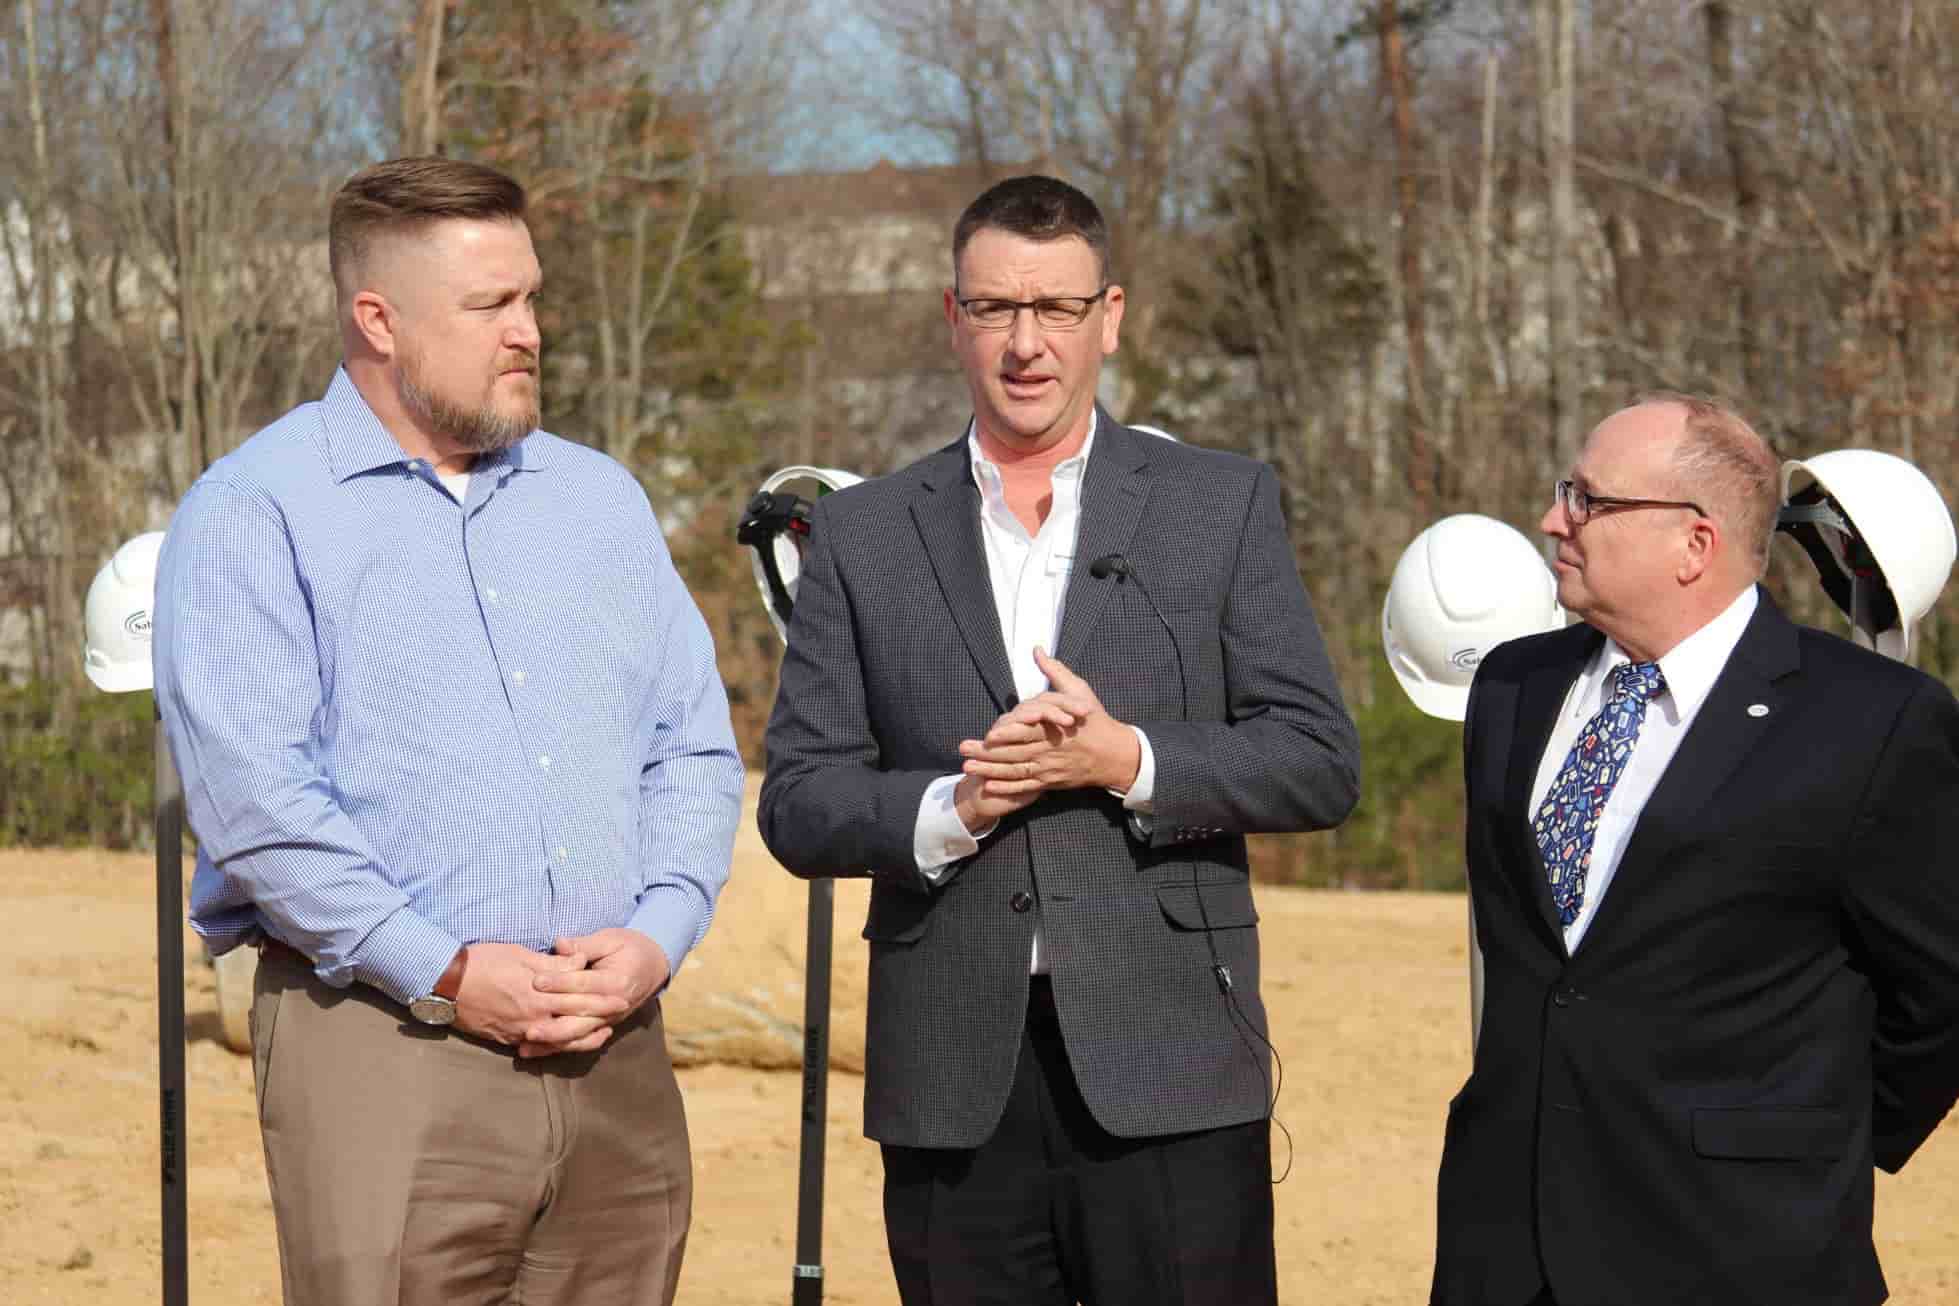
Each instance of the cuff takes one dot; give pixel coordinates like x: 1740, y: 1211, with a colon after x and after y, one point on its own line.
x: 670, y: 929
x: 940, y: 838
x: 1141, y: 795
x: 403, y: 957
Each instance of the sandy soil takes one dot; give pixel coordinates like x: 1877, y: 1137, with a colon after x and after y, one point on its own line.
x: 1369, y: 1005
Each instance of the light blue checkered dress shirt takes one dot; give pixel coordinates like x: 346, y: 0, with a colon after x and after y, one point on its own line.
x: 405, y: 724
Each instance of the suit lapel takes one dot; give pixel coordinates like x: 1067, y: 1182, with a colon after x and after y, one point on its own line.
x: 1725, y: 731
x: 946, y: 512
x: 1115, y: 486
x: 1540, y: 699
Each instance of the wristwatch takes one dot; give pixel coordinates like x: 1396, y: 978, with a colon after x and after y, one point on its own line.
x: 438, y: 1007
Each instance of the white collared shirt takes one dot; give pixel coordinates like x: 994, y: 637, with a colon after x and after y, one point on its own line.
x: 1029, y: 575
x: 1690, y: 669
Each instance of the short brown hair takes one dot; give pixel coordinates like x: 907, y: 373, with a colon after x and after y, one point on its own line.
x: 1038, y: 208
x: 403, y: 195
x: 1726, y: 463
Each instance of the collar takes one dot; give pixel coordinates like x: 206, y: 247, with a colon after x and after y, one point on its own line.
x: 1693, y: 665
x: 987, y: 476
x: 357, y: 442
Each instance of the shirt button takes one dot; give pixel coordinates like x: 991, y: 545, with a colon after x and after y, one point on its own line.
x: 517, y: 676
x: 1021, y: 901
x: 563, y: 856
x: 544, y: 762
x: 491, y: 594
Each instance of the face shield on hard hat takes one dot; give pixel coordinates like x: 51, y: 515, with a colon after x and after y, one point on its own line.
x: 775, y: 526
x: 1463, y: 586
x: 116, y: 617
x: 1879, y: 535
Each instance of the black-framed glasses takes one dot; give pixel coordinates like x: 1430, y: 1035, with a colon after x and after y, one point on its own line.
x: 1056, y: 311
x: 1579, y: 506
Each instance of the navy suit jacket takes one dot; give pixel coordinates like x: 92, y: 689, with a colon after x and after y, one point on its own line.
x: 1766, y: 1004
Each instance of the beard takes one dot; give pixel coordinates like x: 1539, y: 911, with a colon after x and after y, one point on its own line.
x: 476, y: 430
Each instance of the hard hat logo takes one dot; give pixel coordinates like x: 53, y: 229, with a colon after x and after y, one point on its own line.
x: 116, y: 652
x: 1466, y: 578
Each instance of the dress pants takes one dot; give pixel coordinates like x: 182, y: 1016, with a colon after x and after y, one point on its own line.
x: 1053, y: 1210
x: 411, y: 1166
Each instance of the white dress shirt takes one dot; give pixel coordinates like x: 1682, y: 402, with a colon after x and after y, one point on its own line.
x: 1029, y: 575
x: 1690, y: 669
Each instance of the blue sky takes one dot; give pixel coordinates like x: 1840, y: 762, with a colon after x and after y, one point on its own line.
x: 843, y: 123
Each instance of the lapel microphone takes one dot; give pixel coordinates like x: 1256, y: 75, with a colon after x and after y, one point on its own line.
x: 1114, y: 564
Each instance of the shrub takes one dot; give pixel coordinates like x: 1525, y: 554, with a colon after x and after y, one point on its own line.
x: 91, y: 783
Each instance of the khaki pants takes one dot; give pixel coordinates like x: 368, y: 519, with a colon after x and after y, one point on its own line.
x: 414, y: 1166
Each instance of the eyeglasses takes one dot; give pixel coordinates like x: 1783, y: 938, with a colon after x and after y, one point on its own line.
x: 1579, y: 506
x: 1058, y: 312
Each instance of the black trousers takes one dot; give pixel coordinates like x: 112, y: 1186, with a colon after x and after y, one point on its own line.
x: 1053, y: 1210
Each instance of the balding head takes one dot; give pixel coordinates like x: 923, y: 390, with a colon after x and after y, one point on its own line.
x: 1673, y: 501
x: 1723, y: 464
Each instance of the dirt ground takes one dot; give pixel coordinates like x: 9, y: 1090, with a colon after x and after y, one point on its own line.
x: 1370, y: 1014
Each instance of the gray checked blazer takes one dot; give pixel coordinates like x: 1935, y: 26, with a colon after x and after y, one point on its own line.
x: 895, y: 655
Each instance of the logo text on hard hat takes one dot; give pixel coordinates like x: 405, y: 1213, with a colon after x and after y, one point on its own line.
x: 137, y: 623
x: 1465, y: 658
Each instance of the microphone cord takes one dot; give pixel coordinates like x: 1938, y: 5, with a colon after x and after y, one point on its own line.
x: 1115, y: 564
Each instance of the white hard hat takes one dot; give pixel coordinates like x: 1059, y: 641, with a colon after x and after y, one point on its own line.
x: 1465, y: 585
x: 776, y: 528
x: 116, y: 641
x: 1880, y: 536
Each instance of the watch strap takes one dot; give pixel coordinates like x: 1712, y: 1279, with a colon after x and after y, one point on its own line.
x: 450, y: 985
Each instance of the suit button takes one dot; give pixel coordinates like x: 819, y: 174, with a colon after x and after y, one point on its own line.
x: 1021, y: 901
x: 1560, y: 999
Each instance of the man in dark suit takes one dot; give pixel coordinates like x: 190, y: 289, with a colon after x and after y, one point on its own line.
x: 1065, y: 1053
x: 1712, y: 859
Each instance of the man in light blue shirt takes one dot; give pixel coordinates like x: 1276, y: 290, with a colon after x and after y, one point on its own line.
x: 459, y: 761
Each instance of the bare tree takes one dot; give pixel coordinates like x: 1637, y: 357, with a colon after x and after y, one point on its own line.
x: 215, y: 185
x: 1555, y: 30
x: 1117, y: 95
x: 49, y: 409
x: 1397, y: 79
x: 1718, y: 17
x: 625, y: 176
x: 421, y: 85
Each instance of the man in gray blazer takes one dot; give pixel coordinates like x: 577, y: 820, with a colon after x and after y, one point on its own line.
x: 1066, y: 1058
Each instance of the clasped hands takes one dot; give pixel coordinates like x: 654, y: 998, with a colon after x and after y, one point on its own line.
x: 568, y: 1000
x: 1060, y: 739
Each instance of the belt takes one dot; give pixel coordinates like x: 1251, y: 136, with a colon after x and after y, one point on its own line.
x: 271, y: 949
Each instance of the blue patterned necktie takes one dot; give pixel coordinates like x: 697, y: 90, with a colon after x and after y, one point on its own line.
x: 1569, y: 817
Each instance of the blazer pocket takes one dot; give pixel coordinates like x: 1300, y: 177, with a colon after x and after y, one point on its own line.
x: 1227, y: 905
x: 898, y: 916
x: 1775, y: 1133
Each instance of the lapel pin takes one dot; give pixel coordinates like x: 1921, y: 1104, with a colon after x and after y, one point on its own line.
x: 1758, y: 709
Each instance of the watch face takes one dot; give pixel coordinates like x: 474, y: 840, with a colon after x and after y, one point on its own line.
x: 432, y: 1010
